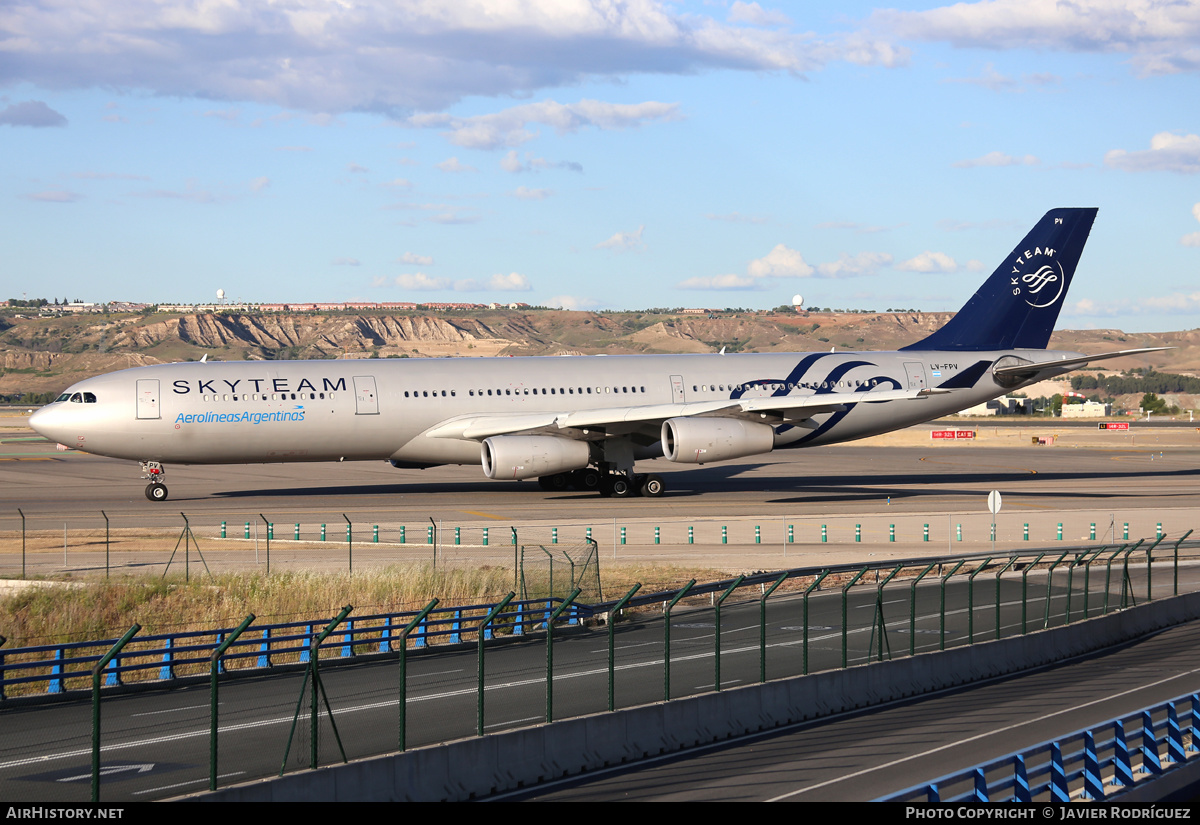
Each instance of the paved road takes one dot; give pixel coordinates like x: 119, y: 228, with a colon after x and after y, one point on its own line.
x: 866, y: 755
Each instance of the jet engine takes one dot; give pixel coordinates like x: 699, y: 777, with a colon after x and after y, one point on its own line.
x: 704, y: 440
x: 530, y: 456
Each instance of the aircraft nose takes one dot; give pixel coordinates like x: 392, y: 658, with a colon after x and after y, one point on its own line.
x: 48, y: 422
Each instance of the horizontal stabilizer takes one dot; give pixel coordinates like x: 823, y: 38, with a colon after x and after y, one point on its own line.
x: 1028, y: 370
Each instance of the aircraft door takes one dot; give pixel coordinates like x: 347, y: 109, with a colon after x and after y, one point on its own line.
x: 147, y: 398
x: 677, y: 389
x: 366, y: 400
x: 916, y: 375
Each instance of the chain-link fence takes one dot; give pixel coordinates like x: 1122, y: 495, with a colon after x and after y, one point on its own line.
x: 35, y: 545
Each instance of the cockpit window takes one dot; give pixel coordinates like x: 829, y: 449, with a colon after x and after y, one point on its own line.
x: 62, y: 397
x: 77, y: 398
x: 89, y: 398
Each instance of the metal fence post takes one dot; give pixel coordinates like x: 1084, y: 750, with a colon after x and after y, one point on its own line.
x: 762, y: 628
x: 1025, y: 592
x: 942, y: 608
x: 214, y: 669
x: 816, y: 583
x: 845, y: 598
x: 971, y: 599
x: 912, y: 610
x: 550, y: 651
x: 96, y: 671
x: 482, y: 630
x: 612, y: 621
x: 403, y: 721
x: 1002, y: 571
x: 717, y: 635
x: 667, y: 639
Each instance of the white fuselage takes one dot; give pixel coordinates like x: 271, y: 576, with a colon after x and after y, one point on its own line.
x: 275, y: 411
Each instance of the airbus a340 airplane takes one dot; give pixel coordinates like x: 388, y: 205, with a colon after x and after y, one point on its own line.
x: 582, y: 421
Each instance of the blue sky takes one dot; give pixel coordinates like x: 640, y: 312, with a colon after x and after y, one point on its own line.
x: 597, y: 154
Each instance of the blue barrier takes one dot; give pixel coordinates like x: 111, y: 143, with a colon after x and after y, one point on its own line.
x: 1078, y: 761
x: 179, y: 654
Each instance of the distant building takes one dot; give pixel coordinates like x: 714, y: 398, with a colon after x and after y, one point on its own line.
x: 1088, y: 409
x: 1005, y: 405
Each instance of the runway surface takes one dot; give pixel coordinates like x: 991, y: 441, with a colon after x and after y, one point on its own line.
x: 885, y: 490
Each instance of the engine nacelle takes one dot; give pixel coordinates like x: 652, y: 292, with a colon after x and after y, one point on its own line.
x: 530, y: 456
x: 704, y: 440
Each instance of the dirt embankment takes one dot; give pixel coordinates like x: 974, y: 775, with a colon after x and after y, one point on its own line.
x: 45, y: 354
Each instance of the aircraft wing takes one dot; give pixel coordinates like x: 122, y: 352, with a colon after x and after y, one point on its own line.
x: 1029, y: 369
x: 589, y: 424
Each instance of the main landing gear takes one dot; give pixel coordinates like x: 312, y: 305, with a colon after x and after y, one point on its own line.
x: 609, y: 485
x: 155, y: 490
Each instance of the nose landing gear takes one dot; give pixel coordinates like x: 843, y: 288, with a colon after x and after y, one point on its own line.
x: 155, y: 490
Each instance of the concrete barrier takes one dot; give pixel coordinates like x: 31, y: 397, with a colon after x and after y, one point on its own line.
x: 471, y: 768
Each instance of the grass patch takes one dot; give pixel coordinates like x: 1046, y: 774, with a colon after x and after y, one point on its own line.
x: 105, y: 609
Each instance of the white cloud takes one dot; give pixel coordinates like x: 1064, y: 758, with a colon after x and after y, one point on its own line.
x: 512, y: 282
x: 510, y: 127
x: 784, y: 262
x: 331, y: 56
x: 33, y: 113
x: 756, y: 15
x: 1177, y: 303
x: 453, y: 165
x: 399, y: 183
x: 1160, y: 37
x: 346, y: 262
x: 572, y: 302
x: 929, y: 262
x: 731, y: 281
x: 850, y: 266
x: 996, y: 159
x: 780, y: 262
x: 355, y: 169
x: 513, y: 163
x: 622, y: 241
x: 260, y: 183
x: 415, y: 260
x: 1192, y: 238
x: 1168, y: 152
x: 421, y: 281
x: 525, y: 193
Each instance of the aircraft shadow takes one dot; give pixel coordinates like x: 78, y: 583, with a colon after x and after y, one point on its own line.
x: 828, y: 487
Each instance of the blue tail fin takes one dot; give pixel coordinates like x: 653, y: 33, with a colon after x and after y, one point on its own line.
x: 1017, y: 307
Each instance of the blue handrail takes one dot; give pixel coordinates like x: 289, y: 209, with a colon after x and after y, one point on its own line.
x: 170, y: 653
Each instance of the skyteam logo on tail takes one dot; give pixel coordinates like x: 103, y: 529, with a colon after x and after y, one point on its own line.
x: 1044, y: 285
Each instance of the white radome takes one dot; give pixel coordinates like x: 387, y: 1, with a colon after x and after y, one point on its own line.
x: 797, y: 300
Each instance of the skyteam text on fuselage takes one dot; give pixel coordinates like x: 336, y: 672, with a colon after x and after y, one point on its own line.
x: 582, y: 421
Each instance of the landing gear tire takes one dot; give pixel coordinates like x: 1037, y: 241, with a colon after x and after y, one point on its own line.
x: 156, y: 492
x: 618, y: 487
x: 587, y: 479
x: 554, y: 483
x: 652, y: 486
